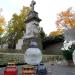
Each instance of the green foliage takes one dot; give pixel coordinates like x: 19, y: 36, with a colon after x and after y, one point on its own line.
x: 5, y: 58
x: 17, y: 21
x: 68, y: 53
x: 2, y: 23
x: 58, y: 38
x: 42, y: 34
x: 16, y: 26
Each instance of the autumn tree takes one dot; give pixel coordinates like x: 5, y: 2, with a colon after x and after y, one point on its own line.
x: 16, y: 26
x: 2, y: 23
x: 56, y: 33
x: 2, y: 27
x: 66, y: 19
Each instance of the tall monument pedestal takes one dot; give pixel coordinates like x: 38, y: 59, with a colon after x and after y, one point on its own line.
x: 32, y: 29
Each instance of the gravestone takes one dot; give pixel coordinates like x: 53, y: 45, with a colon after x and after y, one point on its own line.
x: 5, y: 46
x: 32, y: 30
x: 19, y: 44
x: 69, y: 35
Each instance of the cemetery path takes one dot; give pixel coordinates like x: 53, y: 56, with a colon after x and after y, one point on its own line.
x: 52, y: 70
x: 60, y: 69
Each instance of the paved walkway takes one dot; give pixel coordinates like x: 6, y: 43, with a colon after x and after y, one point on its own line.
x: 60, y: 69
x: 52, y: 70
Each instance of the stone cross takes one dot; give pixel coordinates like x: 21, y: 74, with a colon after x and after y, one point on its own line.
x: 32, y: 5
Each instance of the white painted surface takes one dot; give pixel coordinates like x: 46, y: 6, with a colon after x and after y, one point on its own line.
x: 19, y: 44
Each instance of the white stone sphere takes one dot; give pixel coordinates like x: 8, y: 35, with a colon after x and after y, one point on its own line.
x: 33, y: 56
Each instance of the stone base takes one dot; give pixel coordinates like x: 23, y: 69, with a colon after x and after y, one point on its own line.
x: 26, y: 43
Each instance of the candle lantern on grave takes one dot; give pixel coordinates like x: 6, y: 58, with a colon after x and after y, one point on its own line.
x: 33, y: 54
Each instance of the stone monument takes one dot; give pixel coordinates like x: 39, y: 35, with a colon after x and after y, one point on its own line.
x: 69, y: 35
x: 32, y: 29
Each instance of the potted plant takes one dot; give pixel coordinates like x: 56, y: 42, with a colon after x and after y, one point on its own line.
x: 67, y: 50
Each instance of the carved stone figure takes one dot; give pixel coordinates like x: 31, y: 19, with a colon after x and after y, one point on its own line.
x: 32, y: 5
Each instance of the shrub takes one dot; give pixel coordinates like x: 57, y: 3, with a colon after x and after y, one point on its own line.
x: 68, y: 51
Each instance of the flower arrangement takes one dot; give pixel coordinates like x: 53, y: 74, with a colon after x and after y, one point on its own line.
x: 67, y: 50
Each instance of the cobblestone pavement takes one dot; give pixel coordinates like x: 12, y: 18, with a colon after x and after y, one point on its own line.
x: 52, y: 70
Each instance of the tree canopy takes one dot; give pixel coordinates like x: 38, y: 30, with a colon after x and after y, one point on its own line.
x: 56, y: 33
x: 16, y: 25
x: 2, y: 23
x: 17, y: 22
x: 66, y: 19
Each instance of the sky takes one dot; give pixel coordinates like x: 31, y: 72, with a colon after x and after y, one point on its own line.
x: 47, y: 9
